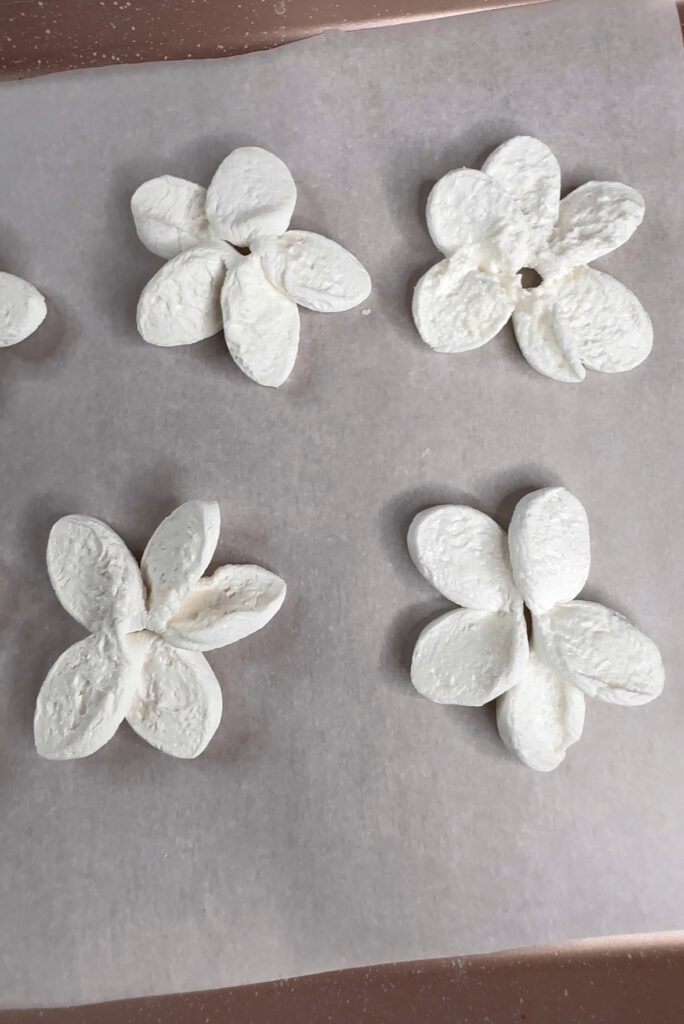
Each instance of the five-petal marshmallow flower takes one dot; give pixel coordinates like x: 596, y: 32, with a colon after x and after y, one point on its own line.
x: 148, y: 625
x: 208, y: 284
x: 22, y: 309
x: 481, y: 651
x: 492, y: 223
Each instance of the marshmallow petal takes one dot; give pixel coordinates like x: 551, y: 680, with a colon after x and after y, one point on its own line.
x: 177, y: 554
x: 457, y: 308
x: 595, y: 219
x: 182, y: 303
x: 85, y: 697
x: 549, y: 547
x: 469, y: 213
x: 464, y: 554
x: 178, y: 703
x: 170, y: 215
x: 469, y: 657
x: 252, y: 195
x: 315, y: 271
x: 604, y: 322
x: 261, y: 324
x: 543, y: 336
x: 600, y: 652
x: 540, y: 717
x: 94, y: 575
x: 233, y: 603
x: 22, y: 309
x: 528, y: 171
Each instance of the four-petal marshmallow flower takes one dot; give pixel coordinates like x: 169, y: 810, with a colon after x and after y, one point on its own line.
x: 149, y: 625
x: 481, y: 651
x: 208, y: 284
x: 22, y: 309
x: 492, y: 223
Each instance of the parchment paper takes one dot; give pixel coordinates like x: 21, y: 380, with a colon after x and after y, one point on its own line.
x: 337, y: 818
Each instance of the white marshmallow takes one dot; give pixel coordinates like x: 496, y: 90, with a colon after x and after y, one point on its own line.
x: 260, y: 323
x: 22, y: 309
x: 252, y: 195
x: 464, y: 554
x: 233, y: 603
x: 182, y: 303
x: 315, y: 271
x: 170, y: 215
x: 549, y: 547
x: 540, y: 717
x: 177, y: 554
x: 601, y: 653
x: 178, y: 703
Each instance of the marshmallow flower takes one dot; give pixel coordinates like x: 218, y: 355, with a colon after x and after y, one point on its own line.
x: 481, y: 651
x: 148, y: 625
x: 22, y: 309
x: 207, y: 284
x: 491, y: 224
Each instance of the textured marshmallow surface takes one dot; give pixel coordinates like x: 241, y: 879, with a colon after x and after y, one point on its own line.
x: 528, y: 171
x: 540, y: 717
x: 595, y: 219
x: 601, y: 653
x: 602, y: 323
x: 464, y: 554
x: 549, y: 547
x: 261, y: 324
x: 141, y: 664
x: 233, y: 603
x: 177, y: 554
x: 481, y: 651
x: 170, y: 215
x: 315, y: 271
x: 467, y: 211
x: 252, y: 195
x: 85, y: 697
x: 178, y: 703
x: 22, y: 309
x: 458, y: 308
x: 469, y: 657
x: 94, y: 575
x: 182, y: 303
x: 495, y: 222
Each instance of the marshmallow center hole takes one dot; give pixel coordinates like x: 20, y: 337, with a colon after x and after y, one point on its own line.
x: 529, y: 278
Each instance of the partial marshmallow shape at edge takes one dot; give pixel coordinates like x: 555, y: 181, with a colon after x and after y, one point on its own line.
x: 315, y: 271
x: 235, y: 602
x: 540, y: 717
x: 469, y: 657
x: 85, y: 697
x: 527, y: 170
x: 463, y: 554
x: 260, y: 323
x: 170, y: 215
x: 177, y: 704
x: 457, y: 308
x: 94, y: 575
x: 177, y: 554
x: 600, y: 652
x: 22, y: 309
x: 548, y: 540
x: 181, y: 305
x: 252, y: 195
